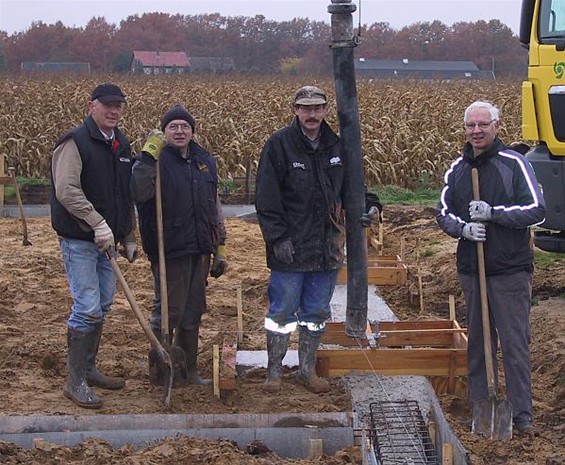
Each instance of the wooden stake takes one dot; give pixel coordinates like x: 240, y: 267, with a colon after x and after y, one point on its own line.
x: 432, y: 430
x: 216, y: 369
x: 451, y: 307
x: 447, y: 454
x: 402, y: 247
x: 239, y: 315
x: 381, y: 237
x: 2, y: 173
x: 420, y: 284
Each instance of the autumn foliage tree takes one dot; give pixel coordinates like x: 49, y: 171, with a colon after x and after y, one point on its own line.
x: 259, y: 45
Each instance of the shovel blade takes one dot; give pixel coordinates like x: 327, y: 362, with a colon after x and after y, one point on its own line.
x: 492, y: 418
x: 161, y: 362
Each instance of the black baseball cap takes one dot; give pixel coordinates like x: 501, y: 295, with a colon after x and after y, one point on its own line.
x: 107, y: 93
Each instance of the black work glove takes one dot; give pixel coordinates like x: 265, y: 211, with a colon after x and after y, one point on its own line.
x: 368, y: 218
x: 219, y: 263
x: 374, y: 210
x: 284, y: 251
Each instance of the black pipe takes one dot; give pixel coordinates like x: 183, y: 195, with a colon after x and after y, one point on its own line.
x: 343, y: 43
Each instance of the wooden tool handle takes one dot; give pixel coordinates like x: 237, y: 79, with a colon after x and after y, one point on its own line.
x: 131, y: 299
x: 162, y: 263
x: 484, y: 297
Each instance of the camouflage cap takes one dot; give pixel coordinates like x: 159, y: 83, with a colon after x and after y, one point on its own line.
x: 310, y: 95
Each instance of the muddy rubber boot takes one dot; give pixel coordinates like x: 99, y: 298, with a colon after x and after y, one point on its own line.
x: 277, y: 345
x: 188, y: 342
x: 306, y: 375
x: 93, y: 376
x: 76, y: 388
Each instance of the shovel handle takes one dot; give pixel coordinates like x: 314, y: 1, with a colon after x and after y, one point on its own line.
x: 131, y: 299
x: 164, y: 295
x: 485, y: 314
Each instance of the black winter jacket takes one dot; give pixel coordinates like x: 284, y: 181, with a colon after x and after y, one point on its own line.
x: 105, y: 178
x: 506, y: 182
x: 190, y: 213
x: 299, y: 196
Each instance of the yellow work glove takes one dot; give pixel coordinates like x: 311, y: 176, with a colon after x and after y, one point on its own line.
x: 154, y: 143
x: 219, y: 264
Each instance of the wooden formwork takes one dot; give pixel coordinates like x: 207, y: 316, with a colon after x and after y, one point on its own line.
x: 382, y: 270
x: 437, y: 349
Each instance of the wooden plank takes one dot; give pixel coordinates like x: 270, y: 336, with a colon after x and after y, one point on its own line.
x: 383, y: 270
x: 398, y: 325
x: 438, y: 333
x: 413, y: 338
x: 421, y: 362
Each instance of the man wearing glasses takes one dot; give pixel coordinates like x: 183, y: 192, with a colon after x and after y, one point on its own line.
x: 299, y: 190
x: 91, y: 211
x: 193, y: 230
x: 510, y: 203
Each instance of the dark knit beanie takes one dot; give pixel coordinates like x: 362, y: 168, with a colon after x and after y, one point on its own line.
x: 177, y: 112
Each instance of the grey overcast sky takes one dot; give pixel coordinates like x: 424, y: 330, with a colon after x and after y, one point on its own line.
x: 18, y: 15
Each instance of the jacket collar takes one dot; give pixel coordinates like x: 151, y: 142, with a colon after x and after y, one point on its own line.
x: 496, y: 146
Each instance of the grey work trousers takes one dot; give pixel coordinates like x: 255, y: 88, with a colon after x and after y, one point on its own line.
x: 186, y: 286
x: 509, y: 298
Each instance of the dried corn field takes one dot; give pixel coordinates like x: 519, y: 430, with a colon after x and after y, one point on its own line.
x: 410, y: 129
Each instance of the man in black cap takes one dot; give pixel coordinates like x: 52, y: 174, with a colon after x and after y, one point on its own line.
x: 91, y: 211
x: 193, y: 230
x: 300, y: 185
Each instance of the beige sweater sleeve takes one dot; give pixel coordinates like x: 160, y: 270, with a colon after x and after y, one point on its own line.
x: 66, y: 170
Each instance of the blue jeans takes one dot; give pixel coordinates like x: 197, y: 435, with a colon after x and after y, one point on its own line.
x: 299, y: 298
x: 91, y: 281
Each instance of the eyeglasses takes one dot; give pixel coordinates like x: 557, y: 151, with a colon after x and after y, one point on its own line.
x: 176, y: 127
x: 483, y: 125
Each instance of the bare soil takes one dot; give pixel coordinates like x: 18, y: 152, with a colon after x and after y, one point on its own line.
x: 35, y: 302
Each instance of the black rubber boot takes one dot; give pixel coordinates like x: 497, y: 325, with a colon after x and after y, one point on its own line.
x: 76, y: 388
x: 277, y: 345
x: 307, y: 346
x: 188, y: 342
x: 93, y: 376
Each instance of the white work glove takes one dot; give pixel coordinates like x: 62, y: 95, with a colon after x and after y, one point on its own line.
x: 129, y: 251
x: 103, y: 236
x: 476, y: 232
x: 480, y: 210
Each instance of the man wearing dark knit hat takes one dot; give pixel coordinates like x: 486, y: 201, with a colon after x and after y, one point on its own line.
x: 193, y: 231
x: 91, y: 211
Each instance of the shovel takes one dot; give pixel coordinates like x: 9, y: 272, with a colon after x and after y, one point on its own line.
x: 492, y: 417
x: 176, y: 353
x: 160, y: 353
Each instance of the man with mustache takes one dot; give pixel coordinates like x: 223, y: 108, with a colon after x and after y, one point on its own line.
x: 299, y: 190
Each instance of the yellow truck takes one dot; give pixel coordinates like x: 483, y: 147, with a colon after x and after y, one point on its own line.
x: 542, y: 32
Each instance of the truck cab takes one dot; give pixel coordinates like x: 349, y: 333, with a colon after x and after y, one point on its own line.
x: 542, y: 32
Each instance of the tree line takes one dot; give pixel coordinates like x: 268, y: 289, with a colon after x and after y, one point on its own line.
x: 258, y: 45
